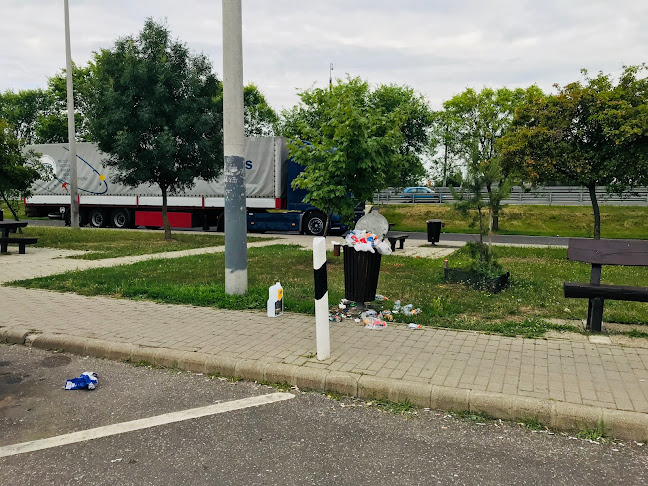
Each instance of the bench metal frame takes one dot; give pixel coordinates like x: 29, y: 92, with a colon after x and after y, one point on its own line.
x: 396, y: 237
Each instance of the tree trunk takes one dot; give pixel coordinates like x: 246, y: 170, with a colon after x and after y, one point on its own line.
x: 597, y: 213
x: 481, y: 226
x: 327, y: 225
x: 493, y: 209
x: 13, y: 212
x: 490, y: 229
x: 165, y: 216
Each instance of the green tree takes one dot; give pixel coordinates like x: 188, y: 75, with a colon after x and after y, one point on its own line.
x: 445, y: 169
x: 259, y: 117
x: 40, y: 116
x: 345, y: 144
x: 593, y: 133
x: 19, y: 169
x: 156, y: 113
x: 473, y: 122
x: 22, y: 111
x: 416, y: 121
x: 51, y: 125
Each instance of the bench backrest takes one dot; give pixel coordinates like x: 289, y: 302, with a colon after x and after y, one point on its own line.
x: 609, y: 252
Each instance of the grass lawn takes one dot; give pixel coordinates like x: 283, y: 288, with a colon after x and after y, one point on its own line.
x: 20, y: 207
x: 107, y: 243
x: 535, y: 293
x: 616, y: 221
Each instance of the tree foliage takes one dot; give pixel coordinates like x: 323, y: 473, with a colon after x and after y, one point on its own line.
x: 156, y: 114
x: 52, y: 123
x: 19, y: 169
x: 259, y: 117
x: 407, y: 168
x: 593, y: 133
x: 22, y: 111
x: 346, y: 144
x: 469, y: 127
x: 40, y: 116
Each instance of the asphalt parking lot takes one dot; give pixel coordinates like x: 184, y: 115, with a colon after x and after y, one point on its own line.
x: 308, y: 439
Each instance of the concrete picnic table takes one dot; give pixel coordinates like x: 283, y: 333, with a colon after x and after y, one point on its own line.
x: 7, y: 227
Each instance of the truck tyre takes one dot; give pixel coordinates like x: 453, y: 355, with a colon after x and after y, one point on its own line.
x: 314, y: 224
x: 97, y: 218
x: 83, y: 217
x: 120, y: 218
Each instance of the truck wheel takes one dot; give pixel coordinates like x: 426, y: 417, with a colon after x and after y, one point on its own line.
x: 83, y: 217
x: 120, y: 218
x: 314, y: 224
x: 97, y: 218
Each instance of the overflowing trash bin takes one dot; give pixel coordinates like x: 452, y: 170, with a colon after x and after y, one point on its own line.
x: 363, y: 249
x: 361, y: 270
x: 434, y: 230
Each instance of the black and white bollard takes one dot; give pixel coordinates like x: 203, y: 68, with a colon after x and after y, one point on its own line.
x: 321, y: 299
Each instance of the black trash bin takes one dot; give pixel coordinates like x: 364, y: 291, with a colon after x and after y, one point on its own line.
x: 361, y: 269
x: 1, y: 215
x: 434, y: 230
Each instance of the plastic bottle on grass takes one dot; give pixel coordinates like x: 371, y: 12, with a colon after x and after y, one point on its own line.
x: 397, y: 307
x: 275, y: 300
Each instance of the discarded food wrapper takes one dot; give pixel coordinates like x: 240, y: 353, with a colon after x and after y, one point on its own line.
x: 374, y: 323
x: 88, y: 379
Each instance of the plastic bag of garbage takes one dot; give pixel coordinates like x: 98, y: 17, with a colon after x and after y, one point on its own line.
x: 88, y: 379
x: 383, y: 247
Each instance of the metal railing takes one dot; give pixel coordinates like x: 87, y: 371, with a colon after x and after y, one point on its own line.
x: 546, y: 195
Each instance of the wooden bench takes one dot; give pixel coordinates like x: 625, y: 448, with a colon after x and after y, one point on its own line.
x: 21, y: 242
x: 605, y: 252
x: 396, y: 237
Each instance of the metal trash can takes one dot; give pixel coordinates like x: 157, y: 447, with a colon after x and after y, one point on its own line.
x: 434, y: 230
x: 361, y: 269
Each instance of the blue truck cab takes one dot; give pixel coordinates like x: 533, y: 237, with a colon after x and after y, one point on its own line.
x: 297, y: 215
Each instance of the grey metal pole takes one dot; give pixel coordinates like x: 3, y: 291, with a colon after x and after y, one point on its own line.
x: 236, y: 279
x: 72, y: 157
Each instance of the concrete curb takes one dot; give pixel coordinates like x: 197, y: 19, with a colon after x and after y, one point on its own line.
x: 557, y: 415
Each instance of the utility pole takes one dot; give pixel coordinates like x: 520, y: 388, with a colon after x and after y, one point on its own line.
x: 236, y: 279
x: 72, y: 157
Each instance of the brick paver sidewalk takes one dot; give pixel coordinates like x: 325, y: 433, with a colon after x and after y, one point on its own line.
x: 608, y: 376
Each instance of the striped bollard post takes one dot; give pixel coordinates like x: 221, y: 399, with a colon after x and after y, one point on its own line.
x: 321, y: 299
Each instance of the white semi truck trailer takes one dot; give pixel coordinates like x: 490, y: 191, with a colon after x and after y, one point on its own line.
x: 272, y: 203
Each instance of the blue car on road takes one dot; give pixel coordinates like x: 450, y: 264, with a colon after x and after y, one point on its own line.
x: 421, y: 194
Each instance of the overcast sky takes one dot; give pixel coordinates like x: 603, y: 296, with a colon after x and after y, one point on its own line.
x: 437, y: 47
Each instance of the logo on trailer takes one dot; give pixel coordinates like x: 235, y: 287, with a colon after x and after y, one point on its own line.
x: 49, y: 163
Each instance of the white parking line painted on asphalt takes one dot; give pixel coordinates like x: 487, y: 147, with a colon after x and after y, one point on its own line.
x: 167, y: 418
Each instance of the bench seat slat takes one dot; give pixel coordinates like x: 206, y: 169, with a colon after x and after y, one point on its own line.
x: 12, y: 239
x: 609, y: 252
x: 606, y: 292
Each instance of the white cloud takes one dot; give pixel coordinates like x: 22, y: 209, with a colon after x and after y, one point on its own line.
x: 437, y: 47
